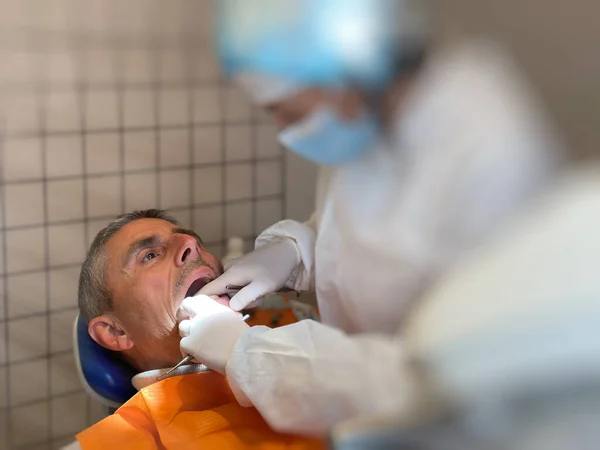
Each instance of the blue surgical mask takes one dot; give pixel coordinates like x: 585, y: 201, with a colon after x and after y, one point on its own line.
x: 324, y: 138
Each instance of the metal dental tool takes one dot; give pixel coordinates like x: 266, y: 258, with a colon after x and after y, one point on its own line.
x: 186, y: 360
x: 233, y: 287
x: 236, y: 288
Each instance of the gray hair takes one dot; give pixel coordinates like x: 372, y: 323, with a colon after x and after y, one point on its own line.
x: 94, y: 297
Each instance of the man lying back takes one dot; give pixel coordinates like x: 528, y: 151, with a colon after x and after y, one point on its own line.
x: 137, y: 272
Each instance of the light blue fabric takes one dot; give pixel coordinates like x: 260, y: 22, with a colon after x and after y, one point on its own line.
x: 318, y: 42
x: 324, y: 138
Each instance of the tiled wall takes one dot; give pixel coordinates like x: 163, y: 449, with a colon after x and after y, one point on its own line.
x: 107, y: 106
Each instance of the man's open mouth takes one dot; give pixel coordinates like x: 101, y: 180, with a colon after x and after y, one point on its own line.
x: 197, y: 285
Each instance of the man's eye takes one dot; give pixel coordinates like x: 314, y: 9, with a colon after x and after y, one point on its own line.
x: 149, y: 256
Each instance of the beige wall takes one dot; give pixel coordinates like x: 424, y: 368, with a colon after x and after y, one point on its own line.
x: 557, y: 43
x: 108, y: 106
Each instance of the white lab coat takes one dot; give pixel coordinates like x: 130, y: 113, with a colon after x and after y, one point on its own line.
x: 519, y: 370
x: 468, y: 150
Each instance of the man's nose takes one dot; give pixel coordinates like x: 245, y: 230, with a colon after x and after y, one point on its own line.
x: 188, y: 250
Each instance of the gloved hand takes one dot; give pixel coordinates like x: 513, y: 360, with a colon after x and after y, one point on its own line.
x: 264, y: 271
x: 209, y: 330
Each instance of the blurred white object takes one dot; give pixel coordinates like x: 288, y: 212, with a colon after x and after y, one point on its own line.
x: 235, y: 250
x: 468, y: 150
x: 522, y: 317
x: 510, y: 341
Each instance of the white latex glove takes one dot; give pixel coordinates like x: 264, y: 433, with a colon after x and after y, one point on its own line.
x: 264, y: 271
x: 209, y: 330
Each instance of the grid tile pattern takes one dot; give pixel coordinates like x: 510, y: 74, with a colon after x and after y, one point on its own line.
x: 107, y: 106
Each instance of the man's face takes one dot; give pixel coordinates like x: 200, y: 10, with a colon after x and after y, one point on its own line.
x: 152, y: 265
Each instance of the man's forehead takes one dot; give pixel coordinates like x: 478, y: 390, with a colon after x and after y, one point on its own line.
x: 135, y: 231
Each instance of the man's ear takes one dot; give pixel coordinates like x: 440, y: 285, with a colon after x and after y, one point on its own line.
x: 107, y: 332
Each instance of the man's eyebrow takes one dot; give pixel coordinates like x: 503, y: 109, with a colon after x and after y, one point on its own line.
x: 150, y: 241
x: 189, y: 233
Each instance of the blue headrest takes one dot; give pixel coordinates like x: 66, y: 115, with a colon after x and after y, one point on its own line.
x: 102, y: 372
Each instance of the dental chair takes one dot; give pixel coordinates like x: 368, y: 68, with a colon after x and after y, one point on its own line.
x: 105, y: 377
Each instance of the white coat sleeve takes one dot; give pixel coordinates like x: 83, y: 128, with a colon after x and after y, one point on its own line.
x: 304, y: 236
x: 306, y: 377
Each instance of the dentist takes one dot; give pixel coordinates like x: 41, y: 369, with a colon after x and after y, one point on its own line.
x: 425, y: 151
